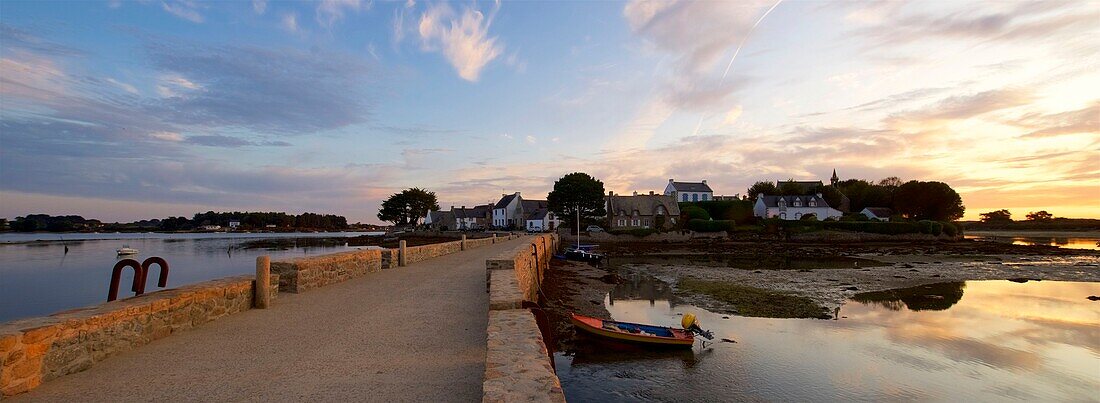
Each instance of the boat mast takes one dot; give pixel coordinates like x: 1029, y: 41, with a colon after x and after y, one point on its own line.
x: 578, y: 226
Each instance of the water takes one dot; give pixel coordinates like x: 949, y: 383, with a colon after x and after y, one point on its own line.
x: 979, y: 340
x: 39, y: 278
x: 1061, y: 240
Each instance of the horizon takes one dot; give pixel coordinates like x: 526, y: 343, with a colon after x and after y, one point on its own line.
x: 127, y: 111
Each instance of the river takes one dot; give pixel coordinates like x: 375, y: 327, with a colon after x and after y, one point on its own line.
x: 45, y: 273
x: 964, y: 341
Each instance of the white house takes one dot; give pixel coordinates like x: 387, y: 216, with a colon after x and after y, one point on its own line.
x: 234, y: 224
x: 689, y: 191
x: 542, y: 220
x: 794, y: 207
x: 877, y: 213
x: 512, y: 211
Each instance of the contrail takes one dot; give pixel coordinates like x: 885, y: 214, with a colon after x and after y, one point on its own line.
x: 736, y: 52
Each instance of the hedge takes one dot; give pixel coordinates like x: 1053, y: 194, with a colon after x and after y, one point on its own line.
x: 736, y: 210
x: 711, y: 225
x: 694, y: 213
x: 638, y: 232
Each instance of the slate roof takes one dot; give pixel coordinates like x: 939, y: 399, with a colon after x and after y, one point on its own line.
x: 435, y: 216
x: 532, y: 205
x: 646, y: 205
x: 538, y: 214
x: 482, y: 211
x: 504, y: 201
x: 445, y: 218
x: 773, y: 201
x: 691, y: 187
x: 881, y: 212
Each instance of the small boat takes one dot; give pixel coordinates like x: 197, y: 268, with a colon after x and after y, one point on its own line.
x: 634, y: 332
x: 127, y: 250
x: 583, y: 256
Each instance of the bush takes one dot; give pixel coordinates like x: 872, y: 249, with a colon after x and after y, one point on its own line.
x: 694, y: 213
x: 736, y: 210
x: 950, y: 229
x: 930, y: 227
x: 874, y: 227
x: 711, y: 225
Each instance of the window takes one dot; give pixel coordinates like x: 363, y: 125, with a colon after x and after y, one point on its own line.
x: 797, y: 215
x: 782, y: 216
x: 706, y: 197
x: 634, y: 222
x: 694, y: 197
x: 661, y: 210
x: 782, y: 202
x: 813, y: 202
x: 685, y: 197
x: 645, y: 223
x: 622, y: 222
x: 797, y: 202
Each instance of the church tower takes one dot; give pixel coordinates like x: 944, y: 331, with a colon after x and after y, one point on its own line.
x: 834, y: 179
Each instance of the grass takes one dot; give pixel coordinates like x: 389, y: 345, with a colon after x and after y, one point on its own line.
x: 752, y: 301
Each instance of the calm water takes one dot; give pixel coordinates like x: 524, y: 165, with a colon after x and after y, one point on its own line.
x: 1068, y: 242
x: 39, y: 278
x: 973, y: 341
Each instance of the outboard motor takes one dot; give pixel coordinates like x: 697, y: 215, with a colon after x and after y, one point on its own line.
x: 690, y: 324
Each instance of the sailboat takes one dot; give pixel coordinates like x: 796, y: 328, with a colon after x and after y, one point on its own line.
x: 580, y: 252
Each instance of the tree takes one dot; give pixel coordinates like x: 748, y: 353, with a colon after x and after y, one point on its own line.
x: 996, y: 216
x: 790, y: 188
x: 890, y: 182
x: 407, y: 207
x: 928, y: 201
x: 576, y: 191
x: 692, y: 212
x: 1041, y: 215
x: 761, y: 188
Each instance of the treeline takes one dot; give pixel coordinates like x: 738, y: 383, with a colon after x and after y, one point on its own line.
x: 248, y: 220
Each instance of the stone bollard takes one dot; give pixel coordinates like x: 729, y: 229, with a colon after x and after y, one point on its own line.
x: 494, y: 238
x: 401, y: 256
x: 262, y: 299
x: 463, y: 244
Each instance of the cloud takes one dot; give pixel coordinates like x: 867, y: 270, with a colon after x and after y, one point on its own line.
x: 15, y: 38
x: 285, y: 91
x: 530, y: 139
x: 1084, y: 120
x: 971, y: 105
x: 696, y: 33
x: 290, y: 22
x: 185, y: 9
x: 463, y: 39
x: 329, y: 12
x: 259, y: 6
x: 732, y: 115
x: 221, y: 141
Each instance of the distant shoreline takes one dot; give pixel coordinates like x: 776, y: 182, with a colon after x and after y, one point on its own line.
x: 129, y: 236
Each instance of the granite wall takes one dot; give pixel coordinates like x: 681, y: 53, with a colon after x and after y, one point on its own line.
x: 36, y: 350
x: 300, y: 274
x: 517, y: 364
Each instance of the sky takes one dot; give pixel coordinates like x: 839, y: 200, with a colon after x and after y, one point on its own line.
x: 126, y: 110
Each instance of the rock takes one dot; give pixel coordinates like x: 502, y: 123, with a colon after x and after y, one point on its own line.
x: 907, y: 266
x: 851, y: 288
x: 899, y: 276
x: 1094, y: 298
x: 914, y: 270
x: 727, y: 317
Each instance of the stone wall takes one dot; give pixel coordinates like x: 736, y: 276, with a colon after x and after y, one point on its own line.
x: 518, y: 366
x: 36, y: 350
x: 300, y: 274
x: 415, y: 254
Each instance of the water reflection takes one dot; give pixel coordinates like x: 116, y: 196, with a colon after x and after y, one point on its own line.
x: 934, y: 297
x: 40, y: 278
x: 770, y: 262
x: 997, y: 340
x: 1068, y: 242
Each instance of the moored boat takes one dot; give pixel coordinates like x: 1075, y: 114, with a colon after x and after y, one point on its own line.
x: 634, y: 332
x: 127, y: 250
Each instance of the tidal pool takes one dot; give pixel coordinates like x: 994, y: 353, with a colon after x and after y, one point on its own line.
x: 978, y: 340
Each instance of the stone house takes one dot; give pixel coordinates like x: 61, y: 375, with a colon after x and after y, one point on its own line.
x: 474, y: 218
x: 641, y: 211
x: 794, y: 207
x: 689, y: 191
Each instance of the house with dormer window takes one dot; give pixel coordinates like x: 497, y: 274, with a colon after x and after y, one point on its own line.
x: 794, y: 207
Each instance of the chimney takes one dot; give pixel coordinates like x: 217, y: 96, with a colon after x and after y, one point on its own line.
x: 819, y: 195
x: 635, y: 192
x: 610, y: 193
x: 651, y: 193
x: 669, y: 180
x: 463, y: 207
x: 503, y: 195
x: 704, y: 181
x: 452, y: 208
